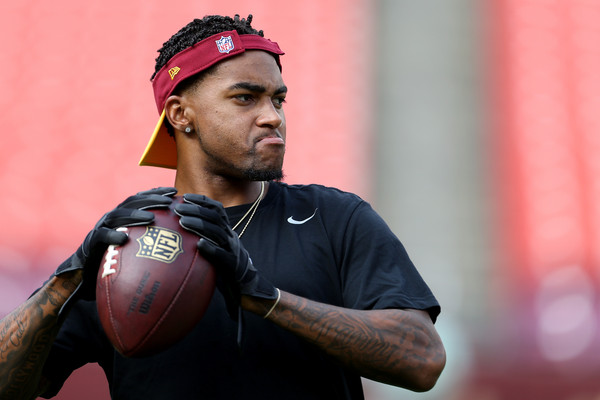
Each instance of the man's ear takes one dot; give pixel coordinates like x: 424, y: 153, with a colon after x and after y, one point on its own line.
x: 175, y: 113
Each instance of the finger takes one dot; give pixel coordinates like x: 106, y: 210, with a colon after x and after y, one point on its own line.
x: 100, y: 238
x: 142, y: 202
x: 127, y: 217
x: 111, y: 236
x: 206, y: 202
x: 203, y: 201
x: 162, y: 191
x: 205, y: 229
x: 192, y: 210
x: 211, y: 251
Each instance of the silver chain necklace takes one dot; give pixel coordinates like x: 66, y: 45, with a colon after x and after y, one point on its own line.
x: 251, y: 210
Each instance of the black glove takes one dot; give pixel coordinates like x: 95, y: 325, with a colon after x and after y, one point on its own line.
x: 129, y: 213
x: 221, y: 246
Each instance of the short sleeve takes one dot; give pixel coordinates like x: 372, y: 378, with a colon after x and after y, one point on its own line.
x: 377, y: 272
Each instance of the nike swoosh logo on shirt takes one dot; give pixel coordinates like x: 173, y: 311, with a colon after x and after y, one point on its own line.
x: 291, y: 219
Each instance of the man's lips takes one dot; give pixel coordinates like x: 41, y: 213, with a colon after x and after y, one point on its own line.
x: 271, y: 140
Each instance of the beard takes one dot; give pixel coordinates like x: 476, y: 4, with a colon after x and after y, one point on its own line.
x: 260, y: 172
x: 254, y: 174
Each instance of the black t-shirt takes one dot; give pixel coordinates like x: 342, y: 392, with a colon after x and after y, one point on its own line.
x: 316, y: 242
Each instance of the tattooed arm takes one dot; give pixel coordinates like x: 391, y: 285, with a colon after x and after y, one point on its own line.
x: 397, y: 347
x: 26, y: 335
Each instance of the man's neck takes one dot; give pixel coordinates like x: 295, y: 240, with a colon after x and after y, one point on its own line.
x: 226, y: 191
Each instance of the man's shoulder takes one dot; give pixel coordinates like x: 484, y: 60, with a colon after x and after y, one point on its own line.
x: 317, y: 192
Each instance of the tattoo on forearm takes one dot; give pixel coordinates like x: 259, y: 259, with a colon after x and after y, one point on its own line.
x: 26, y: 336
x: 361, y: 339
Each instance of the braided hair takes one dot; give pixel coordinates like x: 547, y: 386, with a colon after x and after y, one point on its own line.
x: 200, y: 29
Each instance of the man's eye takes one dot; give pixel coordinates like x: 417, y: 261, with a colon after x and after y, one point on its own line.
x: 278, y: 101
x: 244, y: 97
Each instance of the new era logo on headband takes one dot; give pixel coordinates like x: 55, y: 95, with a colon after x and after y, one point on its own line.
x: 225, y: 44
x: 174, y: 71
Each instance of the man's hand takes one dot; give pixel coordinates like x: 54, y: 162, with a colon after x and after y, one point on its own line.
x: 221, y: 246
x: 129, y: 213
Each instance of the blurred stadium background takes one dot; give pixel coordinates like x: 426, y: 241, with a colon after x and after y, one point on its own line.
x: 472, y: 126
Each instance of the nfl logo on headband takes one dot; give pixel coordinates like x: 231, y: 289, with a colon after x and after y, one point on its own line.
x: 225, y: 44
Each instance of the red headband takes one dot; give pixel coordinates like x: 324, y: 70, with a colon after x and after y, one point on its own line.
x: 161, y: 150
x: 202, y: 55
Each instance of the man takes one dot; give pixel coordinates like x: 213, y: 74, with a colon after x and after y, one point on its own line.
x: 324, y: 291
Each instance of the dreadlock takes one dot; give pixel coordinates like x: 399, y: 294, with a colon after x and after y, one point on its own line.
x: 198, y: 30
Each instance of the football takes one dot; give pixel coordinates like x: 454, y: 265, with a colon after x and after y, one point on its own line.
x: 154, y: 289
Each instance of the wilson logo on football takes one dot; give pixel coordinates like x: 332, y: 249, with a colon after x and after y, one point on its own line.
x: 160, y: 244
